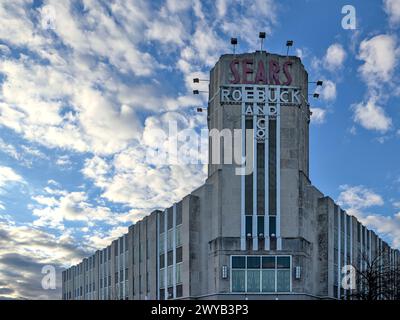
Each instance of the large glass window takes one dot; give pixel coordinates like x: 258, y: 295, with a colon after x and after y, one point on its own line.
x: 238, y: 280
x: 261, y: 274
x: 268, y: 280
x: 253, y: 280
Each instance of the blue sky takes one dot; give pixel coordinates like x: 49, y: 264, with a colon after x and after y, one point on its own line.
x: 85, y: 84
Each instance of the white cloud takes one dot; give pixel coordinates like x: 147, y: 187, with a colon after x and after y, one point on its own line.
x: 358, y: 197
x: 53, y: 210
x: 328, y: 90
x: 371, y: 116
x: 25, y: 249
x: 8, y: 175
x: 334, y: 57
x: 392, y: 8
x: 318, y: 115
x: 380, y: 58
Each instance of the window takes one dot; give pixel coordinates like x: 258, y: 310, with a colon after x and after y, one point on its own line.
x: 179, y: 291
x: 162, y: 261
x: 162, y: 224
x: 169, y: 218
x: 239, y: 262
x: 162, y: 242
x: 272, y: 226
x: 260, y: 225
x: 169, y: 275
x: 249, y: 225
x: 121, y: 245
x: 179, y: 213
x: 261, y: 274
x: 283, y: 274
x: 238, y: 280
x: 170, y: 292
x: 169, y: 239
x: 170, y: 258
x: 179, y: 255
x: 178, y: 273
x: 162, y: 278
x: 178, y: 239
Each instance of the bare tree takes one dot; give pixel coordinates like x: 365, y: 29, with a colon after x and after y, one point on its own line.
x: 376, y: 278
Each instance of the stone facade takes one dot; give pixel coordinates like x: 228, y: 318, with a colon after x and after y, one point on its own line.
x: 290, y: 244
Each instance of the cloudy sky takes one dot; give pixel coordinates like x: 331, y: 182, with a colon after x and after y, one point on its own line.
x: 85, y: 84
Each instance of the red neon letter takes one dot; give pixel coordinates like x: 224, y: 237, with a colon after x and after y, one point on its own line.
x: 287, y: 73
x: 274, y: 72
x: 246, y: 70
x: 260, y: 75
x: 235, y: 72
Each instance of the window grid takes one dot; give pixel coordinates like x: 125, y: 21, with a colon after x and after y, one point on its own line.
x: 262, y: 271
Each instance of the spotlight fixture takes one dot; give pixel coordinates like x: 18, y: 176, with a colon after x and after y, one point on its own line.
x: 261, y: 35
x: 318, y: 82
x: 199, y: 91
x: 199, y: 109
x: 234, y: 43
x: 197, y: 80
x: 316, y: 95
x: 289, y: 44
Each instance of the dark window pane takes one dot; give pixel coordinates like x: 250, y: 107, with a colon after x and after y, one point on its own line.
x: 179, y: 255
x: 162, y: 294
x: 162, y: 215
x: 162, y: 261
x: 170, y: 258
x: 253, y: 262
x: 170, y: 293
x: 249, y: 179
x: 272, y: 167
x: 249, y: 225
x: 260, y: 225
x: 283, y: 262
x: 272, y: 226
x: 170, y: 217
x: 260, y: 178
x: 268, y: 262
x: 179, y: 213
x: 238, y: 262
x: 179, y: 291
